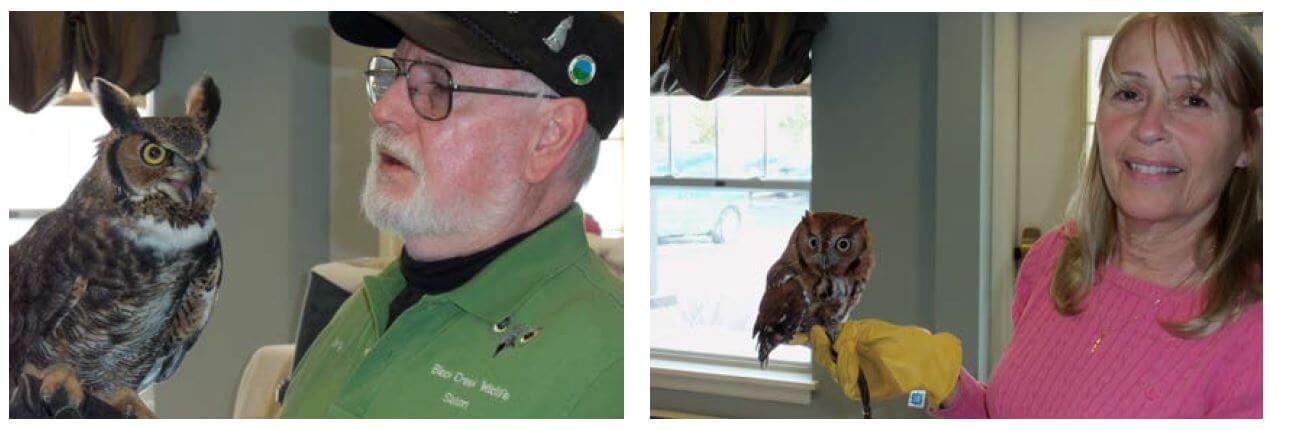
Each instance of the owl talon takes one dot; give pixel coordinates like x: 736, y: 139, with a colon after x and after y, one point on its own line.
x: 138, y: 227
x: 52, y: 378
x: 800, y: 339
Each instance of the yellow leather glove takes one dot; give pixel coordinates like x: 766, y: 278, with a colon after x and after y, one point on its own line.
x: 896, y: 359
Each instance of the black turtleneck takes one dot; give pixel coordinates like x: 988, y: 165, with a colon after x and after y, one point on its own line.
x: 442, y: 276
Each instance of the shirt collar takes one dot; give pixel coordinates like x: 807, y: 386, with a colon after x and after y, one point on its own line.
x: 499, y: 289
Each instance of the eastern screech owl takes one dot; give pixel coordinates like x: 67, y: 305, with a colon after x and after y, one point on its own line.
x: 109, y: 291
x: 817, y: 281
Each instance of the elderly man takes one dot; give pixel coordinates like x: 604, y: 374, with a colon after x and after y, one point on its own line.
x: 486, y: 127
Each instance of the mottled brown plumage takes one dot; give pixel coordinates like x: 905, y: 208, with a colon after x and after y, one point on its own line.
x: 109, y: 291
x: 818, y: 279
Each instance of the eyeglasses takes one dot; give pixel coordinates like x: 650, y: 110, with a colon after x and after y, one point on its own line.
x: 430, y: 85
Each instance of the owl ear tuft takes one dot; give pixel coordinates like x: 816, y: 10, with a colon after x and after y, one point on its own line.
x: 860, y: 222
x: 115, y: 104
x: 809, y: 220
x: 204, y: 102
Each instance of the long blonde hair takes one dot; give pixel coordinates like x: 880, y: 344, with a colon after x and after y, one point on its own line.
x: 1230, y: 63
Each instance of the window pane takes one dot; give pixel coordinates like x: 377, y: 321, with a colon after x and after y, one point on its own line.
x: 48, y: 153
x: 602, y: 197
x: 1097, y: 50
x: 712, y: 250
x: 659, y: 136
x: 16, y: 227
x: 694, y: 137
x: 788, y: 126
x: 1089, y: 138
x: 741, y: 136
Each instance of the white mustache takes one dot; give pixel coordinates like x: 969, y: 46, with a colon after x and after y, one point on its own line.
x: 385, y: 141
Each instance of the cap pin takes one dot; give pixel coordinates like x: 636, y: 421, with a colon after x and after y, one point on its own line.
x: 582, y: 69
x: 556, y: 40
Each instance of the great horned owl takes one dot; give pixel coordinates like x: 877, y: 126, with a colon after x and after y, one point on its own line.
x: 818, y: 279
x: 109, y: 291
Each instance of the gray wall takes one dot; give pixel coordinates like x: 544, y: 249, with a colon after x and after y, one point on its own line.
x: 961, y: 226
x: 271, y: 151
x: 351, y: 235
x: 897, y: 137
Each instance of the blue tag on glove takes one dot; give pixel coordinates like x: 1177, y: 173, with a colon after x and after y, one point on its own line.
x: 918, y: 399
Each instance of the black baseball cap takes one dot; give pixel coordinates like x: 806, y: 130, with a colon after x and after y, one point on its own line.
x: 577, y: 54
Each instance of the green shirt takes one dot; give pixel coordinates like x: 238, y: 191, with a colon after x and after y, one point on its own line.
x: 437, y: 359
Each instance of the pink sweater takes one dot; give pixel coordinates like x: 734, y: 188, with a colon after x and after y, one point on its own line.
x: 1055, y: 366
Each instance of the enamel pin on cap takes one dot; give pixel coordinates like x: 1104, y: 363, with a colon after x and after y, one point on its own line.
x: 556, y: 40
x: 582, y: 69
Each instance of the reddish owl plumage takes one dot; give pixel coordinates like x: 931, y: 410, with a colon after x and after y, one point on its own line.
x: 818, y: 279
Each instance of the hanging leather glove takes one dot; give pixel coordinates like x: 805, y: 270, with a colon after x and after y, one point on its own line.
x: 895, y: 359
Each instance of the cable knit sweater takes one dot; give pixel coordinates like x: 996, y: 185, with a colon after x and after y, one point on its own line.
x: 1113, y: 360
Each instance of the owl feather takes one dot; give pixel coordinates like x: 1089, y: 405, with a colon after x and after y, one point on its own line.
x: 818, y: 280
x: 108, y: 292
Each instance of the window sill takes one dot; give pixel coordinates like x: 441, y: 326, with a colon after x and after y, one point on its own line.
x: 722, y: 376
x: 670, y: 414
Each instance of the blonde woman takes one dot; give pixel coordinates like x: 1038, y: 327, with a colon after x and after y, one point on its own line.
x: 1148, y: 301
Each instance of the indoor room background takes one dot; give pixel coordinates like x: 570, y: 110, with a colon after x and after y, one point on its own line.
x: 290, y: 149
x: 953, y: 133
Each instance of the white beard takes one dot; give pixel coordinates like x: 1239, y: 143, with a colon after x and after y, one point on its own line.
x: 422, y: 213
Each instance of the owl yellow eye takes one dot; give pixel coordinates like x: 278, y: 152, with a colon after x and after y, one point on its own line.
x: 843, y: 244
x: 153, y: 154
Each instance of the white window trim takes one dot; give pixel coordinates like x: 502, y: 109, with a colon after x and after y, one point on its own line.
x: 721, y: 375
x: 668, y: 413
x: 754, y: 184
x: 731, y: 376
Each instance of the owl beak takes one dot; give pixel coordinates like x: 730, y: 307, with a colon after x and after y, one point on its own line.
x: 826, y: 261
x: 183, y: 189
x: 194, y: 187
x: 178, y: 190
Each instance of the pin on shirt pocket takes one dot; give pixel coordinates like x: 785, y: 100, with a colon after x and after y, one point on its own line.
x: 512, y: 335
x: 501, y: 326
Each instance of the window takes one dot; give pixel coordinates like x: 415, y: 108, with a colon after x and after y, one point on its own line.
x: 602, y: 197
x: 730, y: 179
x: 48, y: 153
x: 1096, y: 49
